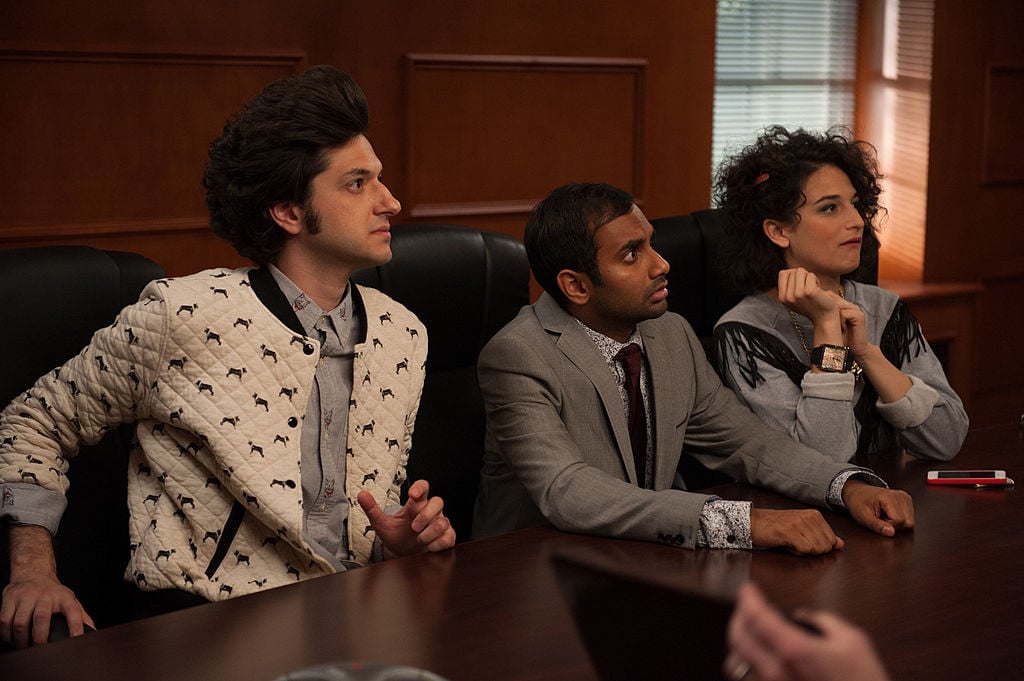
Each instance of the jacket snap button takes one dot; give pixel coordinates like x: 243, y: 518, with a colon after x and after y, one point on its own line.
x: 292, y: 422
x: 308, y: 348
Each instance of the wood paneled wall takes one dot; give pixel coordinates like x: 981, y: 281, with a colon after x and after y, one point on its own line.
x: 976, y: 187
x: 478, y: 107
x: 104, y: 145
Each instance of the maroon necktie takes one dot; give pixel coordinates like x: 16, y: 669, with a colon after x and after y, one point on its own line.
x: 631, y: 357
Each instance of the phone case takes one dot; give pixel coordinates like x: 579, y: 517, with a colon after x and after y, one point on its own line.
x: 967, y: 481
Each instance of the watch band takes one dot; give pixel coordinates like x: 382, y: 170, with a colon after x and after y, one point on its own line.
x: 832, y: 358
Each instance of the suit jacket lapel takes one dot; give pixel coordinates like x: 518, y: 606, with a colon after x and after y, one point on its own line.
x: 579, y: 349
x: 667, y: 400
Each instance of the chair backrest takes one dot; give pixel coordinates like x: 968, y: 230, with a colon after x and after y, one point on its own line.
x: 464, y: 284
x: 689, y: 244
x: 53, y: 299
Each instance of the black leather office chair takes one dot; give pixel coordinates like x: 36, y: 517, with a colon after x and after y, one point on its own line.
x: 464, y: 284
x: 689, y: 244
x: 53, y: 299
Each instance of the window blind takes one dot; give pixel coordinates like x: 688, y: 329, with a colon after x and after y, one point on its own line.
x: 787, y: 62
x: 902, y: 125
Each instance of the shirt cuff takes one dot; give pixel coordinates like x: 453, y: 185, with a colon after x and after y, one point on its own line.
x: 28, y: 504
x: 377, y: 550
x: 834, y: 497
x: 829, y: 386
x: 724, y: 524
x: 912, y: 409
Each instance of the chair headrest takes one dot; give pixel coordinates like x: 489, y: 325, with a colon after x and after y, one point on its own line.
x: 463, y: 283
x: 59, y: 296
x: 689, y: 244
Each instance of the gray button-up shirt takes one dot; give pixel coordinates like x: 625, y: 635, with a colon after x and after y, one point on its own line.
x: 325, y: 427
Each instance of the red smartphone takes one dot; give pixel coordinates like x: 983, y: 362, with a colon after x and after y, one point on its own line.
x: 967, y: 477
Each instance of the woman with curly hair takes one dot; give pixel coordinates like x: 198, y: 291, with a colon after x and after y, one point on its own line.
x: 841, y: 366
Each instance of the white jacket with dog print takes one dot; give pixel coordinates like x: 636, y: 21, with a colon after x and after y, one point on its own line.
x: 218, y: 385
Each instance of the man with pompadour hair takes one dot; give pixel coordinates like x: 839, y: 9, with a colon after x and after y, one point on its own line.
x: 266, y: 452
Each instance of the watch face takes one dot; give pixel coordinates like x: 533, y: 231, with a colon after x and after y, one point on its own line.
x: 833, y: 359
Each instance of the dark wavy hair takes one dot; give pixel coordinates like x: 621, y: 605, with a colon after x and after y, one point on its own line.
x: 560, y: 231
x: 271, y: 151
x: 765, y: 181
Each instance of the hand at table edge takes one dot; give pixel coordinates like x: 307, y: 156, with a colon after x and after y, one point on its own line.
x: 35, y: 594
x: 420, y: 525
x: 880, y: 509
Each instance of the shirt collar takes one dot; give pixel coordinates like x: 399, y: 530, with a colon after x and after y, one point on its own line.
x: 610, y: 347
x: 308, y: 312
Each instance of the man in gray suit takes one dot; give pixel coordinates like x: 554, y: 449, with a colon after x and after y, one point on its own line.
x: 558, y: 394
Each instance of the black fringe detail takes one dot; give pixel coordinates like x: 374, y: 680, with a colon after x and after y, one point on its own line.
x: 901, y: 340
x: 751, y: 344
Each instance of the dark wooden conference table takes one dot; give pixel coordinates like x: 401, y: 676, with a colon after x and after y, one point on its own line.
x: 945, y: 601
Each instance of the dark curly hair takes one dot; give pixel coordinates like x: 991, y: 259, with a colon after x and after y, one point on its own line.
x: 560, y: 231
x: 271, y: 151
x: 748, y: 260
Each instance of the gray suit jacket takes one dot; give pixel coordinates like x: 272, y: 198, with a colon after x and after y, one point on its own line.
x: 558, y: 448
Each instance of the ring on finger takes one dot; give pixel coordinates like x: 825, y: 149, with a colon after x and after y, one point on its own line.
x: 740, y: 671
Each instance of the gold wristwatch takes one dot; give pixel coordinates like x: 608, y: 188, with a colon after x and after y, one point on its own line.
x: 832, y: 358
